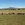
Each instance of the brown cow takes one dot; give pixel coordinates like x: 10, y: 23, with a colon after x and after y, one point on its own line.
x: 19, y: 13
x: 2, y: 13
x: 13, y: 13
x: 6, y: 13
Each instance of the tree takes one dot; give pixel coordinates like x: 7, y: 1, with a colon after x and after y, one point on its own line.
x: 18, y: 9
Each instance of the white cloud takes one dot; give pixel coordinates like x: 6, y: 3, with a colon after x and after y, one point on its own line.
x: 11, y: 5
x: 4, y: 5
x: 20, y: 7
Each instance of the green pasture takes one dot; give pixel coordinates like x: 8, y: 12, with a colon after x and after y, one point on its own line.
x: 12, y: 11
x: 12, y: 19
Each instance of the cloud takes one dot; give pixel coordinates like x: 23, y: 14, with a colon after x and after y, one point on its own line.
x: 4, y: 5
x: 20, y: 7
x: 11, y: 5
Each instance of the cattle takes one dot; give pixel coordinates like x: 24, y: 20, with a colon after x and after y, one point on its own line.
x: 2, y: 13
x: 19, y: 13
x: 13, y: 13
x: 23, y: 13
x: 9, y: 13
x: 6, y: 13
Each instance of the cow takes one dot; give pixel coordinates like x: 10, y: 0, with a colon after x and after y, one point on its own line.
x: 9, y: 13
x: 2, y: 13
x: 13, y: 13
x: 23, y: 13
x: 6, y: 13
x: 19, y: 13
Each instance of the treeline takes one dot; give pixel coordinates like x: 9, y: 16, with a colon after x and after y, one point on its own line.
x: 14, y: 9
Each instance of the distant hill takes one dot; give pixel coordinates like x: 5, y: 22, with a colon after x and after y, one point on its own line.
x: 13, y: 8
x: 9, y: 8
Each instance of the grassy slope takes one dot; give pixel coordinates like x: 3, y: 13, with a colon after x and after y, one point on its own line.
x: 12, y: 11
x: 12, y: 19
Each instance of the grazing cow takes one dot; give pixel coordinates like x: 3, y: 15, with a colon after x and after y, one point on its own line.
x: 13, y: 13
x: 2, y: 13
x: 6, y: 13
x: 9, y: 13
x: 19, y: 13
x: 23, y: 13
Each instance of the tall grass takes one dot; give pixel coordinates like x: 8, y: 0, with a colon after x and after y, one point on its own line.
x: 12, y: 19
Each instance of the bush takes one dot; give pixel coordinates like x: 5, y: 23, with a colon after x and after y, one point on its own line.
x: 18, y: 9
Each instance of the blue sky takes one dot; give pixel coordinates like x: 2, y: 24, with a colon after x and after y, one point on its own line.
x: 12, y: 3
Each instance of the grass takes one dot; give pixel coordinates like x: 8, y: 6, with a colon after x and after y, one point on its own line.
x: 12, y: 11
x: 12, y: 19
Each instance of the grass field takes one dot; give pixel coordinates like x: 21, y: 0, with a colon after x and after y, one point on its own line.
x: 12, y: 19
x: 5, y: 11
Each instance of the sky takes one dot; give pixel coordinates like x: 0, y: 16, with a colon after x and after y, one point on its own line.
x: 12, y: 3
